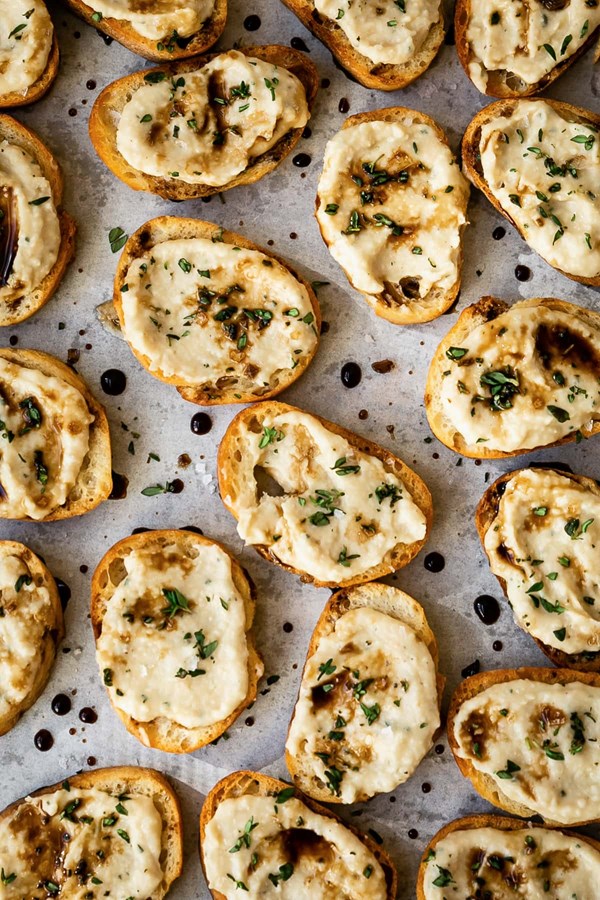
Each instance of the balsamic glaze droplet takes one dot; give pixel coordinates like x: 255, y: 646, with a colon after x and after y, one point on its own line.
x: 64, y: 592
x: 439, y: 749
x: 344, y: 106
x: 43, y: 740
x: 472, y: 669
x: 287, y: 627
x: 119, y: 488
x: 252, y: 23
x: 522, y: 273
x: 434, y: 562
x: 105, y: 37
x: 302, y: 160
x: 201, y: 423
x: 487, y: 609
x: 61, y: 705
x: 307, y: 132
x: 91, y: 760
x: 498, y: 233
x: 426, y: 787
x: 177, y: 486
x: 497, y: 646
x: 413, y: 834
x: 351, y: 374
x: 249, y: 720
x: 113, y: 382
x: 88, y: 715
x: 298, y: 44
x: 90, y: 85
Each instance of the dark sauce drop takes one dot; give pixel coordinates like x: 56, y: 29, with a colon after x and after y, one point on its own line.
x: 344, y: 106
x: 140, y: 530
x: 193, y: 528
x: 177, y: 486
x: 91, y: 760
x: 61, y: 705
x: 13, y: 340
x: 90, y: 85
x: 201, y: 423
x: 119, y: 488
x: 72, y: 112
x: 43, y: 740
x: 302, y: 160
x: 498, y: 233
x: 472, y: 669
x: 439, y: 749
x: 113, y: 382
x: 252, y: 23
x: 487, y: 609
x: 351, y: 375
x: 249, y: 720
x: 9, y: 234
x: 307, y: 132
x: 64, y: 592
x: 298, y: 44
x: 413, y: 834
x: 88, y: 715
x: 105, y: 37
x: 434, y: 562
x: 497, y: 646
x: 522, y: 273
x: 426, y: 787
x: 287, y: 627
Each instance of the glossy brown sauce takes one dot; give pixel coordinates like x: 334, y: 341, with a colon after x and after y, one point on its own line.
x: 9, y: 233
x: 558, y: 345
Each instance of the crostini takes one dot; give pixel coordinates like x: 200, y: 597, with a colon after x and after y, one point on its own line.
x: 111, y: 832
x: 384, y: 45
x: 527, y: 740
x: 538, y: 163
x: 201, y: 126
x: 210, y: 312
x: 56, y: 458
x: 391, y: 206
x: 369, y: 702
x: 28, y: 52
x: 540, y: 529
x: 318, y: 500
x: 172, y: 614
x: 37, y: 238
x: 257, y: 832
x: 157, y: 30
x: 509, y: 379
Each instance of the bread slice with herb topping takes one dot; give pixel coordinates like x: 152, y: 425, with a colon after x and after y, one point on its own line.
x: 28, y: 39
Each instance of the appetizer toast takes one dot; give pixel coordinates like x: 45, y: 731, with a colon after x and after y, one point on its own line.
x: 29, y: 55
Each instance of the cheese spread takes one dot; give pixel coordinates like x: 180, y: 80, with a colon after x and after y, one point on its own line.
x: 44, y: 439
x: 173, y: 641
x: 367, y: 709
x: 536, y: 863
x: 334, y: 511
x: 392, y: 203
x: 545, y: 543
x: 544, y: 170
x: 207, y: 126
x: 539, y: 744
x: 389, y: 32
x: 523, y: 40
x: 210, y: 313
x: 26, y: 33
x: 524, y: 379
x: 154, y: 19
x: 276, y: 846
x: 81, y: 844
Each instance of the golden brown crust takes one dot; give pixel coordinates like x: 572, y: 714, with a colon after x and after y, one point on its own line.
x: 111, y: 101
x: 40, y: 87
x: 472, y: 164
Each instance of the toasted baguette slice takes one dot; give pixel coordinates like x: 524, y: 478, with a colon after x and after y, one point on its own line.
x: 378, y: 76
x: 171, y: 47
x: 239, y: 487
x: 244, y: 783
x: 165, y: 733
x: 39, y: 87
x: 21, y: 308
x: 105, y: 114
x: 392, y: 667
x: 487, y: 310
x: 40, y: 624
x: 120, y: 782
x: 531, y: 855
x: 487, y: 510
x: 484, y: 783
x: 94, y: 482
x: 230, y: 384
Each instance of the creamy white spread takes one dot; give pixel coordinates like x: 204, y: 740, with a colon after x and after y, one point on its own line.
x: 167, y: 19
x: 525, y: 39
x: 539, y: 744
x: 44, y: 439
x: 207, y: 126
x: 334, y: 511
x: 544, y: 170
x: 535, y: 863
x: 200, y: 311
x: 276, y: 846
x: 367, y: 709
x: 113, y: 846
x: 25, y: 41
x: 392, y: 201
x: 29, y: 225
x: 389, y: 32
x: 524, y: 379
x: 545, y: 543
x: 173, y: 642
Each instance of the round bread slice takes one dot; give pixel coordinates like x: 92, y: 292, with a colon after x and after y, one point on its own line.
x: 40, y: 86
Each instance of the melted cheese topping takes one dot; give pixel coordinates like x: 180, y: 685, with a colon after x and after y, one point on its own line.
x: 385, y: 31
x: 367, y: 709
x: 392, y: 203
x: 336, y: 511
x: 159, y: 18
x: 44, y: 439
x: 545, y: 543
x: 539, y: 744
x: 106, y: 849
x: 545, y: 171
x: 25, y: 42
x: 525, y: 38
x: 211, y: 124
x: 525, y: 379
x: 529, y: 862
x: 29, y: 226
x: 299, y: 853
x: 189, y: 665
x: 202, y: 311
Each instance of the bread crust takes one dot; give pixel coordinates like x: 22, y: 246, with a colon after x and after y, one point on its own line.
x: 485, y: 310
x: 39, y: 87
x: 111, y: 101
x: 165, y: 228
x: 378, y: 76
x: 162, y: 733
x: 386, y: 305
x: 94, y: 482
x: 384, y: 598
x: 14, y: 311
x: 472, y: 164
x: 230, y: 471
x: 484, y: 784
x: 245, y: 782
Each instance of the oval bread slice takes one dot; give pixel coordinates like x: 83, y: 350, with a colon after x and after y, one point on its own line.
x: 42, y: 84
